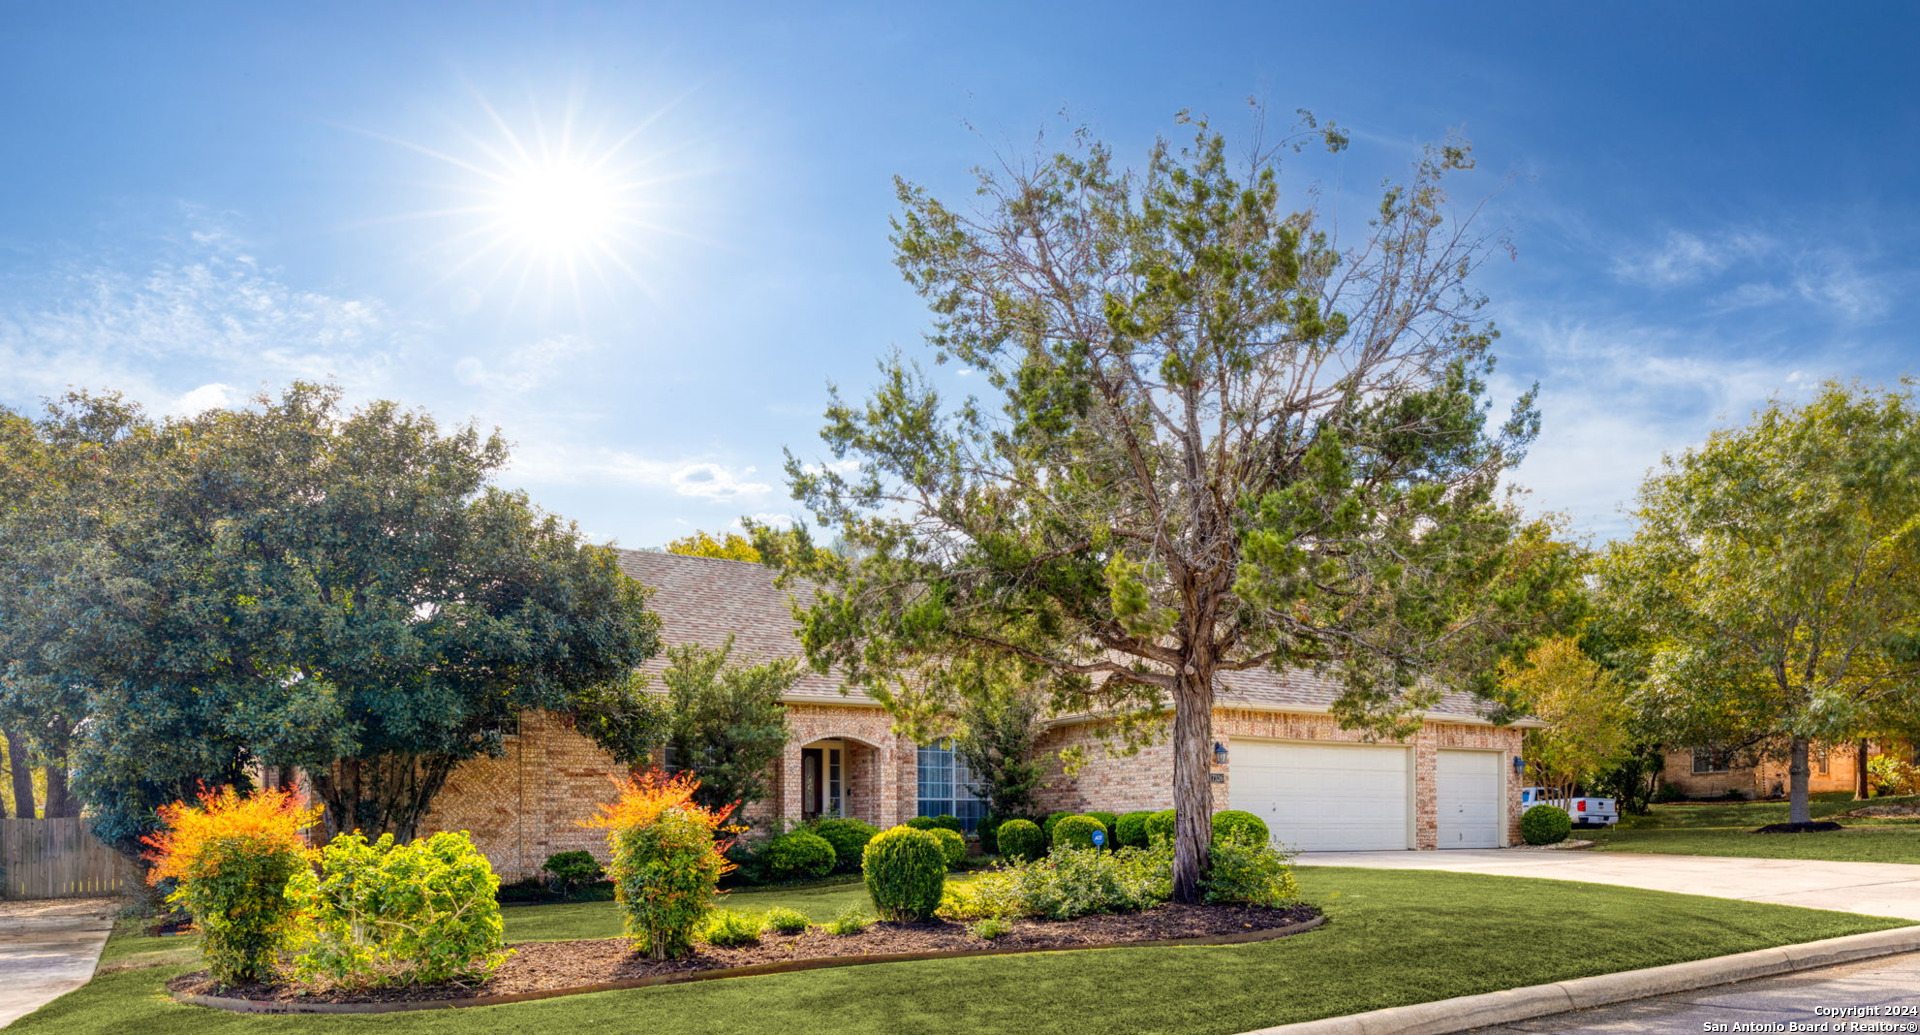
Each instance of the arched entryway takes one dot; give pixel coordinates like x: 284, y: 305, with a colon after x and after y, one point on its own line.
x: 840, y: 776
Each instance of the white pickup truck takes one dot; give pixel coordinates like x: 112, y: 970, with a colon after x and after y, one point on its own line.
x: 1585, y: 812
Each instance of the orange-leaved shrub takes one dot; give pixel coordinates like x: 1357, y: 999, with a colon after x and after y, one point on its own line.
x: 231, y: 856
x: 667, y: 860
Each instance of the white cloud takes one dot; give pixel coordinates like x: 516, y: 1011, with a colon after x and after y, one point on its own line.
x: 1614, y: 398
x: 696, y: 478
x: 213, y: 312
x: 204, y: 398
x: 524, y: 368
x: 1684, y: 258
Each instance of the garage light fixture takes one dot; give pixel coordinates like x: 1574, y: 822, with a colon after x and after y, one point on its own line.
x: 1219, y: 753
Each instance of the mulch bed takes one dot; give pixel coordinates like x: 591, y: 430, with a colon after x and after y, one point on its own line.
x: 1815, y: 827
x: 546, y: 967
x: 1906, y: 810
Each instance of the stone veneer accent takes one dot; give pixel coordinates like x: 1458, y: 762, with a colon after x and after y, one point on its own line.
x: 1144, y: 781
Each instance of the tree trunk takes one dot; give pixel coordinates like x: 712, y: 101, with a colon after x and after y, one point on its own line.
x: 23, y: 807
x: 60, y: 804
x: 1797, y: 809
x: 1192, y: 783
x: 1862, y: 788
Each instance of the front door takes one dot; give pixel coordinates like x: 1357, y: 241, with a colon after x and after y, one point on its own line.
x: 820, y: 783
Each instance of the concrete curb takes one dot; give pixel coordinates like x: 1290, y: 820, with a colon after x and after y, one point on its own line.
x: 1520, y: 1004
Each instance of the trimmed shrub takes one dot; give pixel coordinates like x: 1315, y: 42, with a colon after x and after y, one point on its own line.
x: 1253, y: 872
x: 798, y: 855
x: 1234, y: 825
x: 1052, y: 819
x: 1545, y: 825
x: 921, y: 823
x: 572, y: 872
x: 666, y: 862
x: 906, y: 872
x: 849, y: 839
x: 231, y: 858
x: 986, y: 829
x: 1160, y: 827
x: 850, y: 921
x: 952, y: 846
x: 726, y: 927
x: 1130, y: 830
x: 385, y: 913
x: 1076, y: 832
x: 781, y: 920
x: 1069, y: 884
x: 990, y: 928
x: 1020, y: 840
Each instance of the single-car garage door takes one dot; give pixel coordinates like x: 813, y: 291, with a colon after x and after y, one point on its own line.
x: 1325, y: 797
x: 1468, y: 799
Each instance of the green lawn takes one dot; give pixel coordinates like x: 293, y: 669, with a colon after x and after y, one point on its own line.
x: 1722, y: 829
x: 1396, y: 937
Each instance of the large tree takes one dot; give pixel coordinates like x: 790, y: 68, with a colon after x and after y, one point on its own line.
x: 725, y: 720
x: 1775, y: 575
x: 1589, y: 723
x: 1211, y: 439
x: 291, y: 584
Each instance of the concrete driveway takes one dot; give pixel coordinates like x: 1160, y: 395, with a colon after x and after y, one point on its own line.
x: 47, y: 949
x: 1877, y: 889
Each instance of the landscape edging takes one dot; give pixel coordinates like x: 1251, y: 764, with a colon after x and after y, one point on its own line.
x: 753, y: 970
x: 1444, y: 1016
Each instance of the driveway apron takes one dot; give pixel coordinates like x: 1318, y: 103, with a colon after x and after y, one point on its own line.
x: 1877, y: 889
x: 47, y: 949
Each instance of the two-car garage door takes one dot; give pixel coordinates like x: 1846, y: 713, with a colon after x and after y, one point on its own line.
x: 1359, y: 797
x: 1327, y: 797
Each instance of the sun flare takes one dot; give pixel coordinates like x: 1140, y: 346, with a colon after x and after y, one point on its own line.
x: 561, y: 207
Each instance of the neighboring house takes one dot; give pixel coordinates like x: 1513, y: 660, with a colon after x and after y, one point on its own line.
x: 1279, y: 753
x: 1706, y: 772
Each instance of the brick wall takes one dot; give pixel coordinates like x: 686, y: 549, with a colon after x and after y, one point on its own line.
x: 873, y: 751
x: 1760, y: 781
x: 1145, y: 780
x: 525, y: 806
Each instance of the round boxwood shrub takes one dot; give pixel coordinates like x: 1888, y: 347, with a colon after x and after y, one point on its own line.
x: 1545, y: 825
x: 1076, y: 832
x: 1244, y: 826
x: 1160, y: 826
x: 952, y: 823
x: 849, y: 839
x: 1130, y: 830
x: 952, y: 845
x: 1052, y: 819
x: 1021, y: 839
x: 906, y: 873
x: 798, y: 855
x: 1111, y: 821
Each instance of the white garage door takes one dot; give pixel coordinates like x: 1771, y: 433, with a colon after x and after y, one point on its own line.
x: 1325, y: 797
x: 1469, y: 799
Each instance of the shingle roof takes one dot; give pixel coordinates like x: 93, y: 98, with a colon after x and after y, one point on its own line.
x: 702, y: 599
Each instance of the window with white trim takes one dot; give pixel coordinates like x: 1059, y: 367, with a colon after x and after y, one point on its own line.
x: 947, y: 786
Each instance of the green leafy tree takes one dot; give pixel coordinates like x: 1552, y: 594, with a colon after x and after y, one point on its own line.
x: 727, y: 723
x: 1212, y: 440
x: 1584, y: 706
x: 1775, y: 574
x: 729, y: 546
x: 998, y: 724
x: 294, y: 585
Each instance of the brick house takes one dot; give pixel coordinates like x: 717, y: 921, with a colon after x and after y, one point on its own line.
x: 1705, y: 772
x: 1278, y: 753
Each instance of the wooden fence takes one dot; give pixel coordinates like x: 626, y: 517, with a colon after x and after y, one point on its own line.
x: 58, y: 858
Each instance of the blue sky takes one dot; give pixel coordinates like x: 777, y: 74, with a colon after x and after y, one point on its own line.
x: 1709, y: 203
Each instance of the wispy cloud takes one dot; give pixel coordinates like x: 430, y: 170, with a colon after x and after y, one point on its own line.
x: 1686, y: 258
x: 215, y: 311
x: 1760, y: 271
x: 704, y: 479
x: 521, y: 369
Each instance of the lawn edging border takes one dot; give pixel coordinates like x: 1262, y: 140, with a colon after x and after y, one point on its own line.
x: 258, y: 1006
x: 1444, y: 1016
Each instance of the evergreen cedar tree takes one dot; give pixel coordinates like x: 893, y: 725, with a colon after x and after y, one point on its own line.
x: 1211, y: 438
x: 1771, y: 589
x: 295, y: 585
